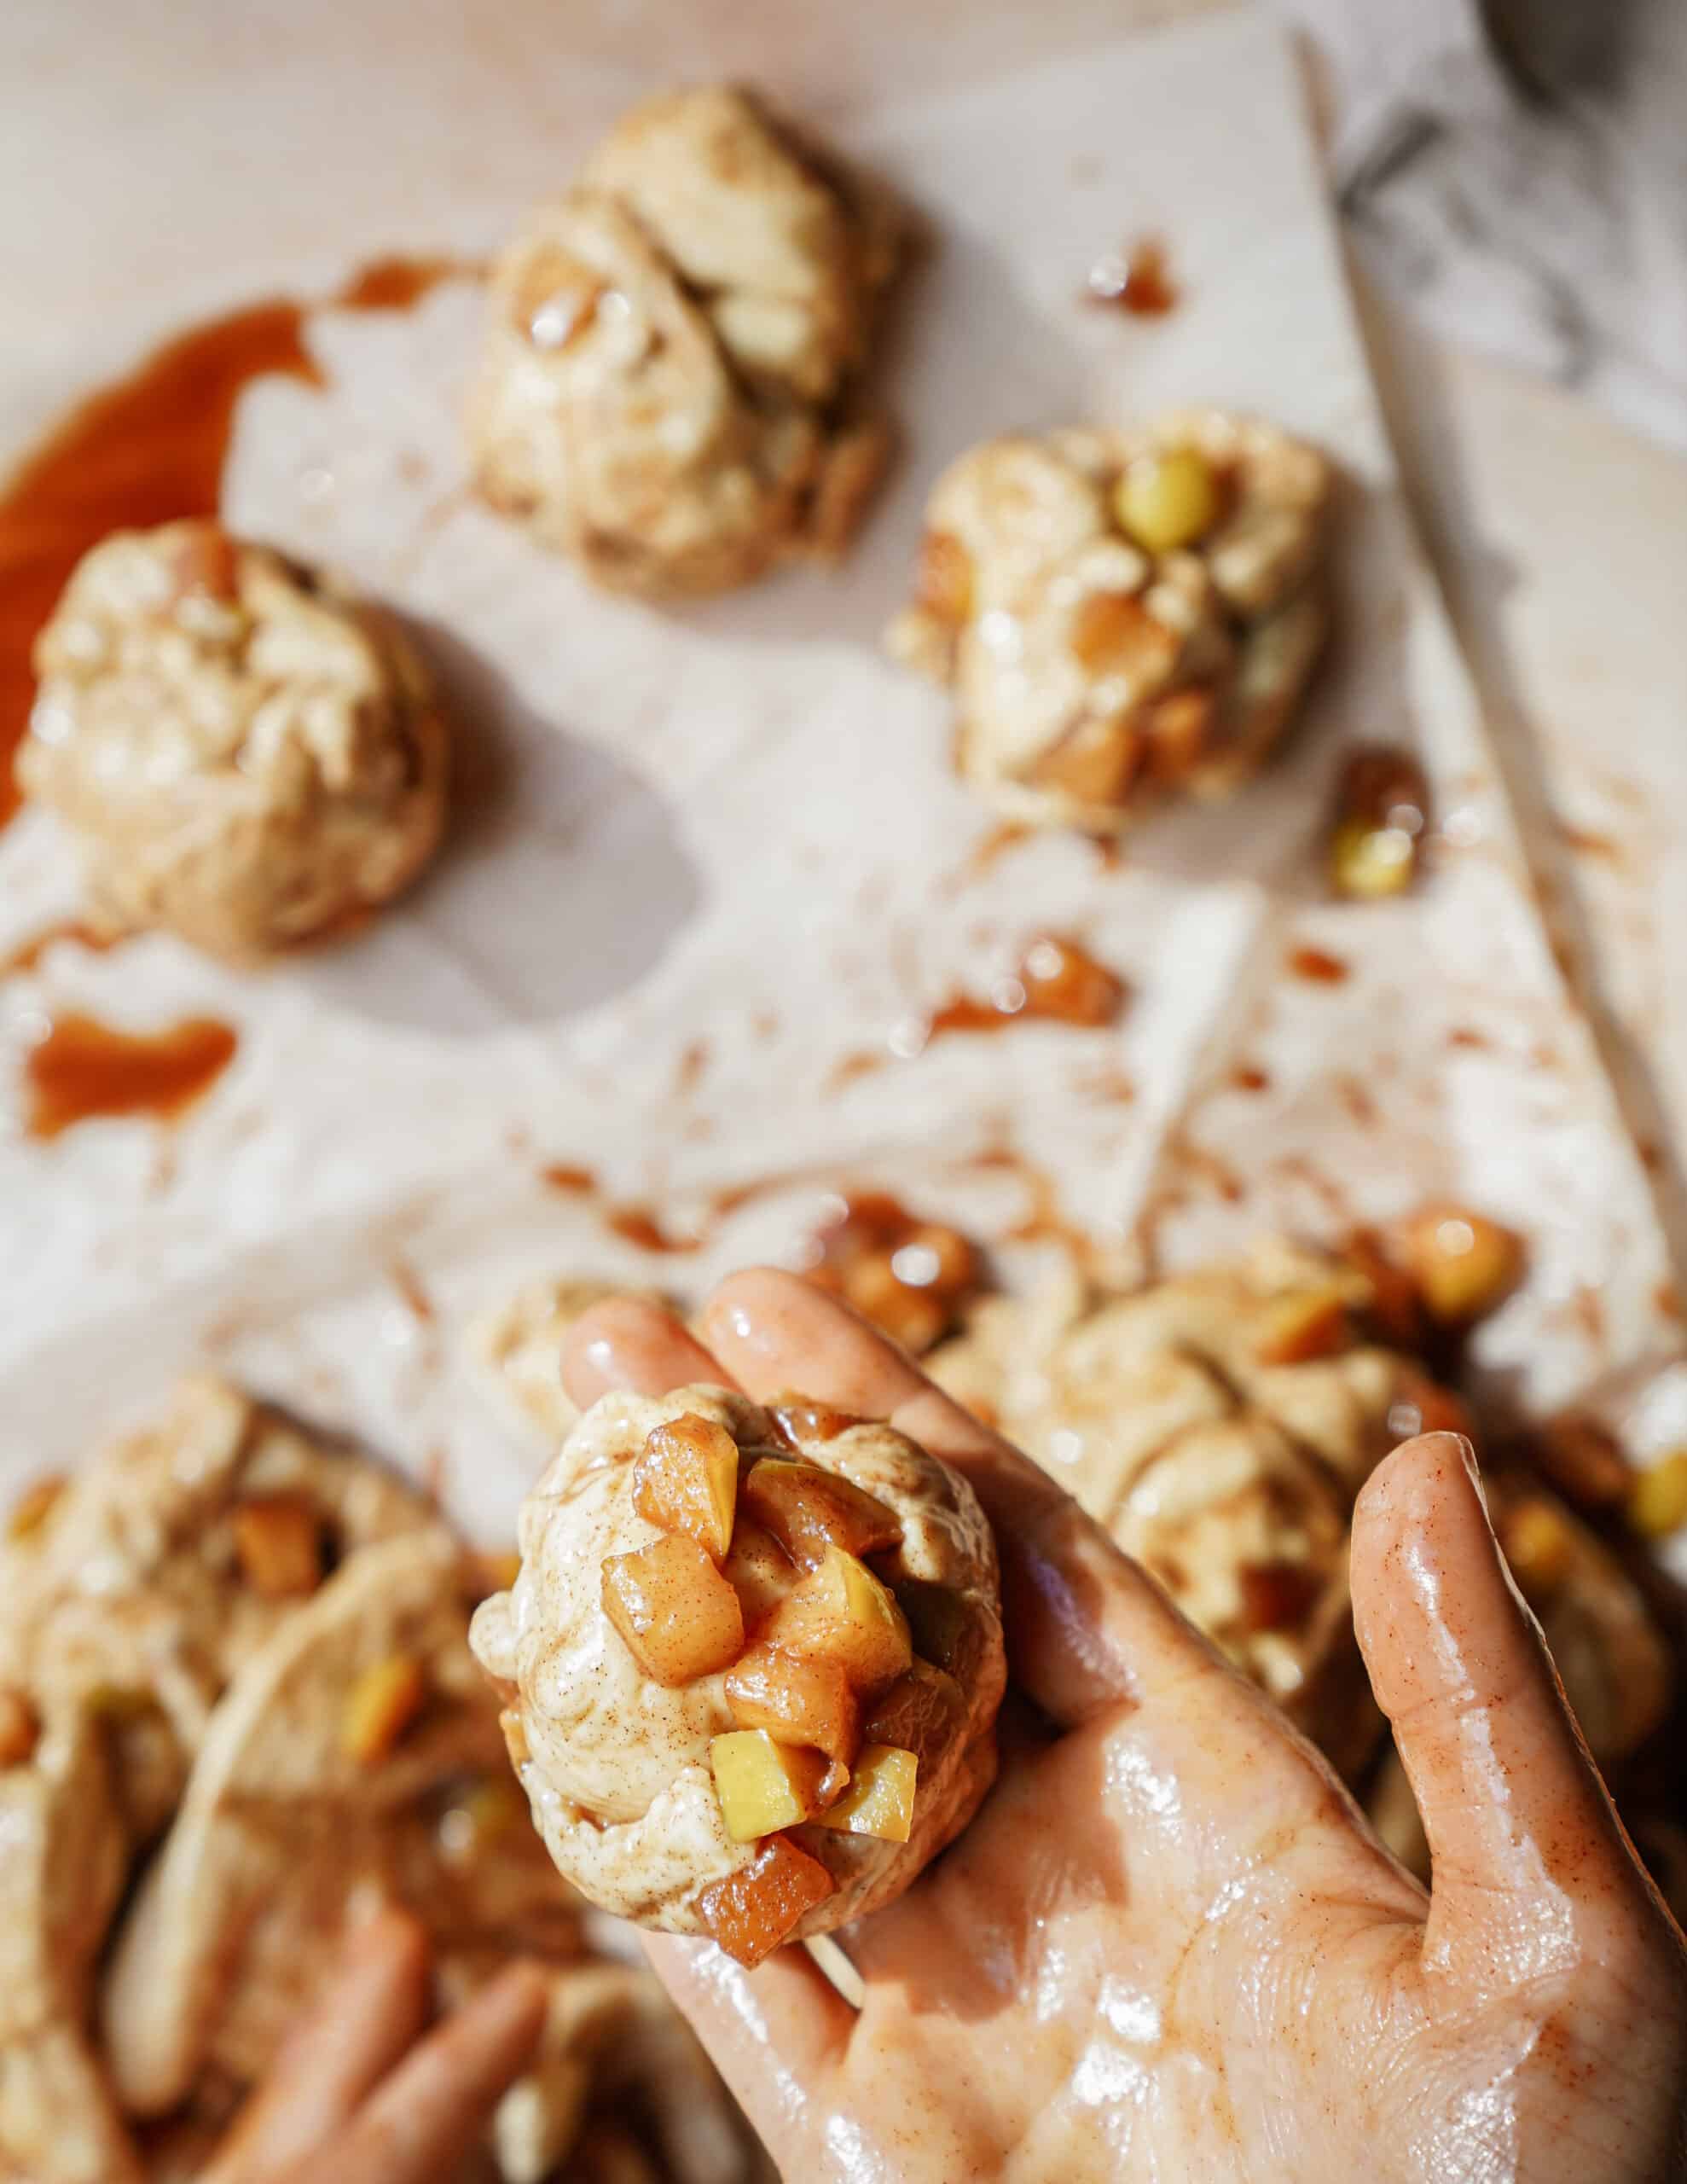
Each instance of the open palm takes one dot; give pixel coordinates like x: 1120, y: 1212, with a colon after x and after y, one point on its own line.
x: 1168, y: 1946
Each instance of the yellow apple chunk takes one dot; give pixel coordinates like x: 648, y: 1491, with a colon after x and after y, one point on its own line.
x: 379, y: 1706
x: 1463, y: 1264
x: 879, y: 1800
x: 679, y: 1617
x: 686, y: 1480
x: 279, y: 1545
x: 1307, y: 1324
x: 763, y: 1784
x: 796, y: 1700
x: 759, y: 1570
x: 809, y: 1509
x: 841, y: 1612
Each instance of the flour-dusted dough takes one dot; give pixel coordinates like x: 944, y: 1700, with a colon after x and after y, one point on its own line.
x: 249, y: 754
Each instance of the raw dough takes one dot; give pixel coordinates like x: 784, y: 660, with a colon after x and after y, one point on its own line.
x: 1230, y: 1478
x: 1093, y: 675
x: 666, y: 388
x: 250, y: 754
x: 619, y: 1772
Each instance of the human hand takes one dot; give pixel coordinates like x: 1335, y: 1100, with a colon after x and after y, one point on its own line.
x: 358, y: 2092
x: 1168, y: 1945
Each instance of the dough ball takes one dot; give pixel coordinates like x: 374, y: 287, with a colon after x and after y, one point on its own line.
x: 667, y: 389
x: 1122, y: 616
x: 250, y: 754
x: 847, y: 1594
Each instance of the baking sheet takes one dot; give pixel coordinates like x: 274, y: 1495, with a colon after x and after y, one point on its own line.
x: 714, y: 858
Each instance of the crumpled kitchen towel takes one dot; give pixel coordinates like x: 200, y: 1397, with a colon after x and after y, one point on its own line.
x: 1518, y: 169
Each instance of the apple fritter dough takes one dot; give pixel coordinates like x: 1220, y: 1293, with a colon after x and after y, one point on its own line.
x: 250, y: 754
x: 616, y: 1767
x: 1184, y: 1419
x: 667, y: 389
x: 1124, y: 616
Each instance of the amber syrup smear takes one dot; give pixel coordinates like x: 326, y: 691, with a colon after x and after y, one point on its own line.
x: 1056, y: 982
x: 83, y: 1069
x: 1317, y: 966
x: 147, y: 449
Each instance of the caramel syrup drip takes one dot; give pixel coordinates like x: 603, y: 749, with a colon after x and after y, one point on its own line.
x: 83, y: 1069
x: 145, y: 449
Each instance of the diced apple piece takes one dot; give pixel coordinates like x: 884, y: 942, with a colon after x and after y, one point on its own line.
x: 759, y: 1570
x: 1539, y: 1546
x: 879, y: 1800
x: 763, y: 1785
x: 686, y: 1480
x: 18, y: 1727
x: 753, y: 1911
x: 1583, y: 1460
x: 841, y: 1612
x: 492, y: 1808
x: 809, y: 1509
x: 1465, y: 1264
x: 1657, y: 1499
x: 796, y: 1699
x: 379, y: 1706
x: 278, y: 1540
x: 680, y: 1617
x: 32, y: 1507
x: 1307, y: 1324
x: 919, y: 1713
x: 797, y: 1420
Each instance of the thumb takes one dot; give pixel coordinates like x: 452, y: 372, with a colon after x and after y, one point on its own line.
x: 1530, y: 1862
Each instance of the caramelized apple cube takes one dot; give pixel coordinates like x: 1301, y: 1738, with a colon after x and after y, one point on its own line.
x: 278, y: 1542
x: 1307, y: 1324
x: 753, y: 1911
x: 18, y: 1727
x: 795, y: 1419
x: 919, y: 1713
x: 680, y: 1617
x: 809, y: 1509
x: 1465, y: 1265
x: 879, y: 1800
x: 798, y: 1700
x: 1583, y: 1460
x: 841, y: 1612
x: 763, y: 1785
x: 379, y: 1706
x: 1539, y: 1546
x: 759, y: 1570
x: 686, y: 1480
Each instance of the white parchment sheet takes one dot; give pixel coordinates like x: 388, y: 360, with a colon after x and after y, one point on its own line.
x: 713, y: 856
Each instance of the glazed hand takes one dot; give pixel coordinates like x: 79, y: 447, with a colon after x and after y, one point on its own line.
x: 358, y: 2092
x: 1168, y: 1946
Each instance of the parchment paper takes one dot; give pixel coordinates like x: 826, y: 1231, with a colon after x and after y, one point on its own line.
x: 711, y: 859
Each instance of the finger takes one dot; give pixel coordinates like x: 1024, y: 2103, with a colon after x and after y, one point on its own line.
x: 372, y: 2010
x: 1086, y: 1627
x: 422, y: 2123
x: 774, y: 2033
x: 1520, y: 1829
x: 627, y: 1342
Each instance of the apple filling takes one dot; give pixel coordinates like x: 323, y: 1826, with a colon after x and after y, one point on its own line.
x: 762, y: 1570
